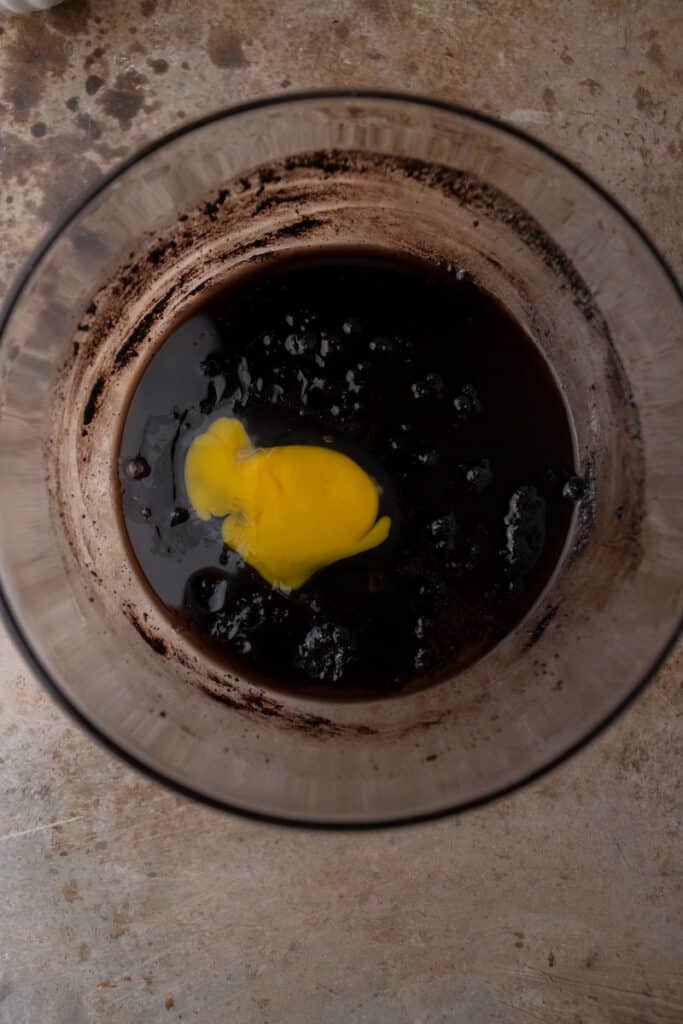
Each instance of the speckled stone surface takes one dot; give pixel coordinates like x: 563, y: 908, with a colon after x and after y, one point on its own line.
x: 121, y: 902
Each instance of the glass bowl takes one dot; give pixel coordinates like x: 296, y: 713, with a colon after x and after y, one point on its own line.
x: 188, y: 211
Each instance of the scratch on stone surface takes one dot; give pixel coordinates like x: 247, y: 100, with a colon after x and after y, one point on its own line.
x: 623, y: 855
x: 39, y: 828
x: 520, y: 1009
x: 588, y: 984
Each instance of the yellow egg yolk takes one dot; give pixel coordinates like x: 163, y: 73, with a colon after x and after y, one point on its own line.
x: 290, y: 510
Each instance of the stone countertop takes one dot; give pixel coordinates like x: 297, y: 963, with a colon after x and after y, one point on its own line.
x: 124, y: 903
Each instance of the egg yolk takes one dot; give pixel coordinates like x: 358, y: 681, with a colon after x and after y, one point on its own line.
x: 290, y: 510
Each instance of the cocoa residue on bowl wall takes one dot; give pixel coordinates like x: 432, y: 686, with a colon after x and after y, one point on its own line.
x: 281, y: 203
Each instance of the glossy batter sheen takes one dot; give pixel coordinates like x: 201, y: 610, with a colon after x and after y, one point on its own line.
x: 290, y: 510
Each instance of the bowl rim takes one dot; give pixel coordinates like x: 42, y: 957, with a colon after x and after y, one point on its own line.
x: 11, y: 621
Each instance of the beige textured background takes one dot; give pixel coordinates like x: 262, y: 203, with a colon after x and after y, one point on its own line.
x: 120, y: 902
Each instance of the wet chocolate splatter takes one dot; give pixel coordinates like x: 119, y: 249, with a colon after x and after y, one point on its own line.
x: 70, y: 19
x: 125, y: 99
x: 225, y: 48
x: 93, y: 84
x: 93, y: 57
x: 91, y: 128
x: 158, y: 65
x: 34, y: 57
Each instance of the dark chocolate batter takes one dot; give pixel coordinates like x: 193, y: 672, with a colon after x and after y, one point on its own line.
x: 424, y: 380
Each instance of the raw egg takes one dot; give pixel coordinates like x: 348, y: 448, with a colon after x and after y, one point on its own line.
x: 289, y: 510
